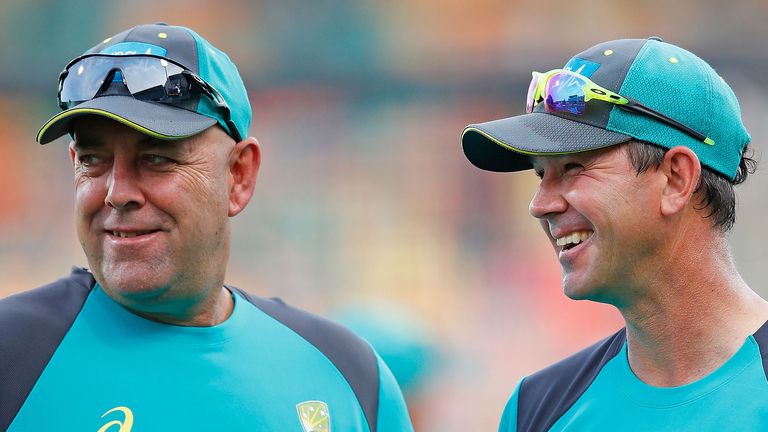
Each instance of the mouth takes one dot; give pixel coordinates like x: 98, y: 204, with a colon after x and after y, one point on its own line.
x: 573, y: 240
x: 130, y: 234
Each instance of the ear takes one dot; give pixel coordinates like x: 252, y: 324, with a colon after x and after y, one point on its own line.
x: 682, y: 169
x: 72, y: 152
x: 244, y: 162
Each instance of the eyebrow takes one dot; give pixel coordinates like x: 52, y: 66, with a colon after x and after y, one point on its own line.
x: 86, y: 142
x: 576, y: 156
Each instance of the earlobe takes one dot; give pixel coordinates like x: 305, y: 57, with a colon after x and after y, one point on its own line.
x: 244, y: 165
x: 682, y: 170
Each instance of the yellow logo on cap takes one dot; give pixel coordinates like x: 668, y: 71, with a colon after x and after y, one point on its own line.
x: 123, y: 426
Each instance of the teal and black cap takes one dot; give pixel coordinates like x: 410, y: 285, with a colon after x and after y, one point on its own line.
x: 660, y: 75
x: 180, y: 45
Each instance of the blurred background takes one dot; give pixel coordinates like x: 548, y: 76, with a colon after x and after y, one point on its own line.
x: 366, y: 210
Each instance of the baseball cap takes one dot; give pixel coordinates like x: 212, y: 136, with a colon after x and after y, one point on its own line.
x: 182, y: 46
x: 660, y: 75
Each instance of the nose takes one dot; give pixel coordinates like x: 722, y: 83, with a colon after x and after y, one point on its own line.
x: 548, y: 200
x: 124, y: 189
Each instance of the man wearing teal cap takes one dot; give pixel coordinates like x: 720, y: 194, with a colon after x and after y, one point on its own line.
x: 151, y: 338
x: 638, y: 144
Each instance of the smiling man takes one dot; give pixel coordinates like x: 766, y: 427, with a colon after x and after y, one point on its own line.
x: 638, y: 144
x: 151, y: 336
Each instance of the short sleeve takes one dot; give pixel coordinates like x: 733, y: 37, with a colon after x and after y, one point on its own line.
x: 393, y: 414
x: 509, y: 416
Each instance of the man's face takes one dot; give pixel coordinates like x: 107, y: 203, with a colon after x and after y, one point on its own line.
x: 601, y: 218
x: 152, y: 215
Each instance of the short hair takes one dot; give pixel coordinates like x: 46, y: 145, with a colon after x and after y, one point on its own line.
x: 715, y: 191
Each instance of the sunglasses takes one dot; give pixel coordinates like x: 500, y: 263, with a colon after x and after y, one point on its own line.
x: 147, y: 77
x: 564, y: 91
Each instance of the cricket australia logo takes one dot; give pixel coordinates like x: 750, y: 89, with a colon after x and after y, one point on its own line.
x: 314, y: 416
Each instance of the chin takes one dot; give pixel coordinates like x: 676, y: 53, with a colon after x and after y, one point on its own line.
x: 576, y: 294
x: 580, y: 289
x: 590, y: 291
x: 132, y: 281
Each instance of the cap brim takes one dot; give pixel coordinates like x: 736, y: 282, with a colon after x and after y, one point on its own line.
x: 506, y: 145
x: 153, y: 119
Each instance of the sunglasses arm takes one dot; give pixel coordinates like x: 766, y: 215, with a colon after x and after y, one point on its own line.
x: 636, y: 106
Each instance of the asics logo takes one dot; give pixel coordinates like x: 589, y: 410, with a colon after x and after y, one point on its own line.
x: 122, y: 426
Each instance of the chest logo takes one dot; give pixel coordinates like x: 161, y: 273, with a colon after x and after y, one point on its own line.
x: 122, y: 426
x: 314, y: 416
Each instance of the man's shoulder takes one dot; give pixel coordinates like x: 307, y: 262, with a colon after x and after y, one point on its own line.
x: 351, y: 355
x: 547, y: 394
x: 46, y: 305
x: 587, y: 359
x: 32, y: 325
x: 319, y: 331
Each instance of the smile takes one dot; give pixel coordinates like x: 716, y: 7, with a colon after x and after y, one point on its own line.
x: 570, y: 240
x: 130, y: 234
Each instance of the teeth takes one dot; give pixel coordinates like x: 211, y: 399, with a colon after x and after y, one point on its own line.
x: 127, y: 234
x: 574, y: 238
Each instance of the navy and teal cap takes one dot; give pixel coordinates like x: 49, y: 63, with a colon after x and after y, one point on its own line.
x: 164, y: 121
x: 660, y: 75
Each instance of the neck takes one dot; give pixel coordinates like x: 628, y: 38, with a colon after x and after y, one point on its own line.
x: 174, y: 305
x: 210, y: 312
x: 691, y: 318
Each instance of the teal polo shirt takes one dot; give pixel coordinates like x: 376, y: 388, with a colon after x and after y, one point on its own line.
x: 596, y: 390
x: 268, y: 367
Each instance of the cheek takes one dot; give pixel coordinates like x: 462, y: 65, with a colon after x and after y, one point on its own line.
x: 601, y: 199
x: 545, y: 226
x: 193, y: 194
x: 198, y: 181
x: 216, y: 189
x: 89, y: 196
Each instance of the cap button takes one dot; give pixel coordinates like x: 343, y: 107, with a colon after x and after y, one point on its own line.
x: 656, y: 38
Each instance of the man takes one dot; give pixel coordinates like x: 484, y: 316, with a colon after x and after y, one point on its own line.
x: 638, y: 144
x: 150, y: 338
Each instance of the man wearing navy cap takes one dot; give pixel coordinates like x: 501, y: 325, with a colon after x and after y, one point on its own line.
x: 638, y: 144
x: 150, y: 338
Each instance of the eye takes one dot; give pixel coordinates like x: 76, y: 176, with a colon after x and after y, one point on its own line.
x: 156, y: 160
x: 572, y: 166
x: 88, y: 160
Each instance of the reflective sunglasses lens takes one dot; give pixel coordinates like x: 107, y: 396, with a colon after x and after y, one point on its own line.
x: 146, y: 77
x: 565, y: 94
x: 84, y: 79
x: 530, y: 100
